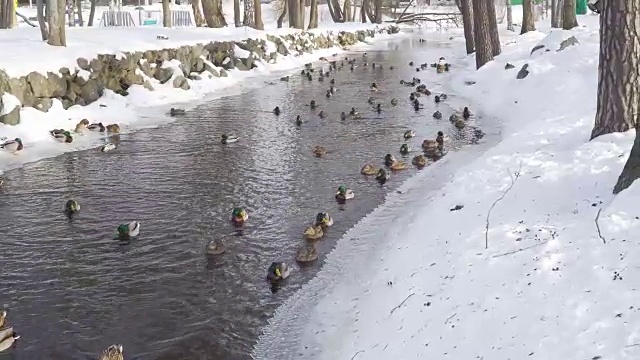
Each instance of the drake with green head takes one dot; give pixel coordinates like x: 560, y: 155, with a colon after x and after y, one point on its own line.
x: 61, y: 136
x: 344, y: 193
x: 324, y: 220
x: 298, y: 120
x: 382, y: 176
x: 12, y: 146
x: 404, y: 149
x: 409, y: 134
x: 239, y: 216
x: 71, y: 207
x: 128, y: 231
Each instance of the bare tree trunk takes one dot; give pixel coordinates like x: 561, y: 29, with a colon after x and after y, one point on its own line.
x: 92, y: 12
x: 334, y: 10
x: 363, y: 14
x: 569, y: 18
x: 41, y: 22
x: 467, y: 22
x: 556, y: 13
x: 302, y: 14
x: 57, y: 36
x: 79, y: 7
x: 6, y: 14
x: 378, y: 11
x: 313, y: 15
x: 369, y: 11
x: 293, y: 12
x: 166, y: 13
x: 528, y: 23
x: 284, y: 13
x: 257, y: 12
x: 618, y: 106
x: 481, y: 33
x: 197, y: 13
x: 493, y: 28
x: 346, y: 10
x: 249, y: 16
x: 212, y: 10
x: 236, y: 13
x: 509, y: 16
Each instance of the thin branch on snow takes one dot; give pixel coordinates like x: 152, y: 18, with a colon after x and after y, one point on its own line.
x: 356, y: 354
x: 598, y: 227
x: 449, y: 318
x: 521, y: 249
x: 514, y: 177
x: 402, y: 303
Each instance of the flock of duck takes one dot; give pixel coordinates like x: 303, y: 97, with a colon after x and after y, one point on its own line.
x: 433, y: 149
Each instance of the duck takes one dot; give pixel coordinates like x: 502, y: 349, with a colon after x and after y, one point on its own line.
x: 1, y: 183
x: 313, y: 232
x: 319, y: 151
x: 466, y: 114
x: 443, y: 96
x: 353, y: 112
x: 81, y: 126
x: 276, y: 110
x: 113, y: 352
x: 404, y: 149
x: 313, y: 104
x: 374, y: 87
x: 215, y: 247
x: 368, y: 170
x: 398, y: 165
x: 459, y: 124
x: 108, y: 147
x: 229, y: 138
x: 113, y: 129
x: 378, y: 108
x: 332, y: 89
x: 298, y: 120
x: 394, y: 102
x: 371, y: 100
x: 285, y: 78
x: 409, y: 134
x: 344, y: 193
x: 96, y: 127
x: 278, y: 271
x: 410, y: 63
x: 382, y: 176
x: 454, y: 117
x: 332, y: 82
x: 307, y: 253
x: 239, y: 216
x: 324, y: 220
x: 412, y: 97
x: 437, y: 115
x: 13, y: 146
x: 389, y: 160
x: 61, y: 135
x: 419, y: 161
x: 71, y: 207
x: 343, y: 116
x: 176, y: 112
x: 3, y: 317
x: 127, y: 231
x: 437, y: 99
x: 321, y: 114
x: 438, y: 142
x: 416, y: 105
x: 7, y: 338
x: 328, y: 94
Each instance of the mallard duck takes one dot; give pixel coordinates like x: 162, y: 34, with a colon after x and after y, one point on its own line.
x: 343, y: 116
x: 436, y: 99
x: 61, y: 135
x: 466, y: 114
x: 313, y: 232
x: 176, y: 112
x: 113, y: 352
x: 344, y: 193
x: 410, y: 63
x: 437, y: 115
x: 323, y: 220
x: 3, y: 317
x: 394, y: 102
x: 229, y: 138
x: 313, y: 104
x: 332, y: 82
x: 409, y: 134
x: 332, y: 89
x: 382, y: 176
x: 416, y: 105
x: 1, y: 182
x: 404, y: 149
x: 319, y: 151
x: 13, y: 146
x: 398, y: 165
x: 96, y: 127
x: 108, y: 147
x: 71, y: 207
x: 378, y: 108
x: 278, y: 271
x: 113, y: 129
x: 215, y: 247
x: 419, y: 161
x: 307, y: 253
x: 389, y: 160
x: 454, y: 117
x: 7, y: 338
x: 371, y: 100
x: 443, y: 96
x: 353, y: 112
x: 276, y: 110
x: 459, y: 124
x: 321, y: 114
x: 430, y: 144
x: 374, y: 87
x: 81, y: 126
x: 284, y: 78
x: 328, y: 94
x: 127, y: 231
x: 368, y: 170
x: 239, y: 216
x: 298, y: 120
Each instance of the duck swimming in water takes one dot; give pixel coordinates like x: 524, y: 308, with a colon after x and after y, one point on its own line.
x: 321, y: 114
x: 298, y: 120
x: 7, y: 338
x: 394, y: 102
x: 374, y: 87
x: 466, y: 114
x: 61, y: 135
x: 97, y: 127
x: 371, y: 100
x: 307, y: 253
x: 81, y: 127
x: 328, y: 94
x: 319, y: 151
x: 107, y: 147
x: 229, y: 138
x: 276, y: 110
x: 419, y: 161
x: 278, y: 271
x: 389, y: 160
x: 404, y: 149
x: 113, y: 129
x: 382, y: 176
x: 437, y: 99
x: 215, y: 247
x: 379, y: 108
x: 397, y: 166
x: 3, y: 317
x: 409, y: 134
x: 344, y: 193
x: 460, y: 124
x: 71, y: 207
x: 343, y: 116
x: 313, y: 104
x: 113, y: 352
x: 437, y: 115
x: 368, y: 170
x: 324, y: 220
x: 313, y: 232
x: 127, y: 231
x: 176, y: 112
x: 239, y: 216
x: 353, y: 112
x: 12, y: 146
x: 438, y: 142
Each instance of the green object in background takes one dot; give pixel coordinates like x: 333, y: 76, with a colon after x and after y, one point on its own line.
x: 150, y: 22
x: 581, y: 7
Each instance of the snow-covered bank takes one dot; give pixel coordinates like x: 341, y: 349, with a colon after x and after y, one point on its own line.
x: 135, y: 73
x: 551, y: 284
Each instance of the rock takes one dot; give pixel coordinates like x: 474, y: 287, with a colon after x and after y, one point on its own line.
x: 57, y: 85
x: 523, y: 73
x: 83, y: 63
x: 21, y: 89
x: 469, y: 82
x: 9, y: 116
x: 240, y: 65
x: 571, y: 41
x: 181, y: 82
x: 195, y: 76
x: 223, y: 73
x: 163, y: 74
x: 90, y: 91
x: 199, y: 65
x: 539, y: 47
x: 131, y: 78
x: 66, y: 103
x: 509, y: 66
x: 38, y: 84
x: 43, y: 104
x: 96, y: 65
x: 64, y: 71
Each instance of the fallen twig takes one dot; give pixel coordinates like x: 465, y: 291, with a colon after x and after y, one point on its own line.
x: 598, y: 227
x: 514, y: 177
x: 521, y: 249
x: 402, y: 303
x: 450, y: 317
x: 356, y: 354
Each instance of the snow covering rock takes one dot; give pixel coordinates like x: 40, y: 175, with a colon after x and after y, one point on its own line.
x: 557, y: 40
x: 9, y: 109
x: 523, y: 73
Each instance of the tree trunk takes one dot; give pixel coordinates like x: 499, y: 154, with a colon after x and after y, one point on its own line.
x: 249, y: 17
x: 5, y: 13
x: 236, y: 14
x: 41, y: 22
x: 493, y: 28
x: 57, y: 36
x: 301, y: 7
x: 197, y: 13
x: 257, y: 12
x: 92, y: 12
x: 166, y: 13
x: 481, y: 33
x: 212, y: 10
x: 378, y: 11
x: 618, y: 105
x: 284, y: 13
x: 509, y: 16
x: 313, y: 15
x: 369, y: 11
x: 528, y: 23
x: 79, y: 7
x: 556, y: 13
x: 346, y: 10
x: 335, y: 11
x: 293, y: 12
x: 363, y: 15
x: 569, y: 18
x: 467, y: 22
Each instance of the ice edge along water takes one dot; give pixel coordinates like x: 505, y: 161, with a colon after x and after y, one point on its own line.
x: 544, y: 288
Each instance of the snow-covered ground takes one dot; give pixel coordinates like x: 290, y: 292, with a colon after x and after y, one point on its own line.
x: 537, y: 279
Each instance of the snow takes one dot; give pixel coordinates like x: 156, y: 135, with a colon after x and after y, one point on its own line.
x: 9, y: 102
x: 413, y: 279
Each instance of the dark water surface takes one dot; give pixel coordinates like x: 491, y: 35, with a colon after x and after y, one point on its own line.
x: 72, y: 291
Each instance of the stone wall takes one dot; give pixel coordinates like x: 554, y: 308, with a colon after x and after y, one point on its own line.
x: 86, y: 83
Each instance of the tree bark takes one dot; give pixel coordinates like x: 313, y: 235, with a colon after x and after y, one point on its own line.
x: 467, y: 22
x: 249, y: 16
x: 166, y: 13
x: 346, y: 10
x: 236, y: 14
x: 212, y: 10
x: 293, y: 12
x: 481, y: 33
x: 556, y: 13
x: 41, y: 22
x: 197, y: 13
x: 5, y: 13
x: 313, y: 15
x: 257, y: 12
x: 57, y: 36
x: 569, y: 18
x: 335, y: 11
x: 301, y: 19
x: 618, y: 105
x: 363, y: 14
x: 496, y: 48
x: 528, y: 23
x: 284, y: 13
x: 509, y: 16
x: 378, y: 11
x: 92, y: 12
x: 79, y: 7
